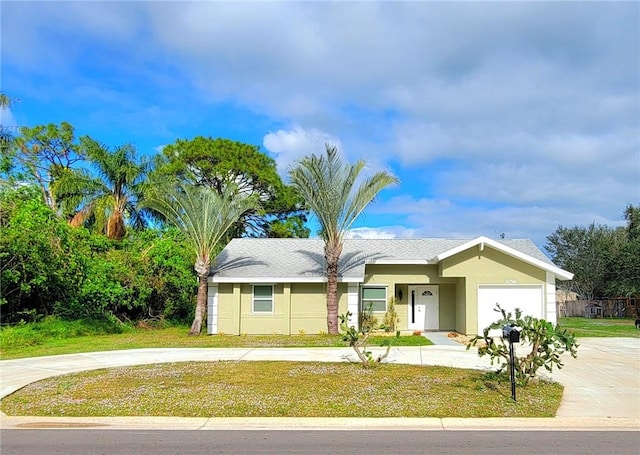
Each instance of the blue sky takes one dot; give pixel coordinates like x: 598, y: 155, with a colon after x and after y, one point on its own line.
x: 498, y: 117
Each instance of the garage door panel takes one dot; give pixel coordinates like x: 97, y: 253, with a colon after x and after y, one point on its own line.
x: 529, y: 298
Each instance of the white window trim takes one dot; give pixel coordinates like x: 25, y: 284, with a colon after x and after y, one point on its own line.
x: 253, y: 299
x: 386, y: 297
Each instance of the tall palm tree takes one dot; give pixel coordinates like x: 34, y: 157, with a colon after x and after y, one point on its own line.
x: 328, y: 186
x: 111, y: 199
x: 204, y: 216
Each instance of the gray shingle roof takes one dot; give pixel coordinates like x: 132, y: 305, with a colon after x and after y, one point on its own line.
x: 249, y: 259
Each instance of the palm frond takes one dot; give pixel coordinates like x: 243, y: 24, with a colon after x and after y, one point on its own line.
x: 201, y: 213
x: 328, y: 185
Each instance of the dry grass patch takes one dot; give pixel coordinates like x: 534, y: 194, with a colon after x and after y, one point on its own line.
x: 278, y: 389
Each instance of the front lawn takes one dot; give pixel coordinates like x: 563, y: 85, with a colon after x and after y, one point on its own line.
x: 282, y: 389
x: 600, y: 327
x: 54, y: 337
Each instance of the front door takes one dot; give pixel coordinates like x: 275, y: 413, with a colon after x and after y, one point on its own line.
x: 424, y: 308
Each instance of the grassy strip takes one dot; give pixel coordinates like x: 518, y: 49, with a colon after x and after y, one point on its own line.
x: 291, y: 389
x: 604, y: 327
x: 34, y: 340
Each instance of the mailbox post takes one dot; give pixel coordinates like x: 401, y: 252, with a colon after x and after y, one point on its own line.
x: 512, y: 334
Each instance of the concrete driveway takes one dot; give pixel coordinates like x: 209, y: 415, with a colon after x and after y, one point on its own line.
x: 604, y: 381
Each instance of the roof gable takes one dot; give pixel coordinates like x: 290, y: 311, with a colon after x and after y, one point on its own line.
x: 481, y: 241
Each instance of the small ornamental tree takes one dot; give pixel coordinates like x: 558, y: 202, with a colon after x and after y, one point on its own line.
x: 547, y: 342
x: 358, y: 338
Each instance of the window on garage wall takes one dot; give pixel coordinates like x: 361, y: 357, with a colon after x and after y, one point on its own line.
x: 376, y: 296
x: 263, y: 298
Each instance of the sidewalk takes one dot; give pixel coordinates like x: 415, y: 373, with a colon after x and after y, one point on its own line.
x: 602, y: 387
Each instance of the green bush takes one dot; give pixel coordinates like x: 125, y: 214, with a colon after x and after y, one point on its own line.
x: 49, y: 268
x: 42, y: 260
x: 358, y: 338
x: 546, y: 343
x: 390, y: 320
x: 52, y: 328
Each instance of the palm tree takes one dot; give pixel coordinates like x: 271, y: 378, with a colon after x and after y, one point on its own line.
x: 204, y: 216
x: 328, y: 186
x: 111, y: 199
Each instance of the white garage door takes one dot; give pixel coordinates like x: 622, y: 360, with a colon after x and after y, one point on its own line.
x: 526, y: 297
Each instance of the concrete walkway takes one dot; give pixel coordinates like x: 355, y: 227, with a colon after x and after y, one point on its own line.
x: 440, y: 338
x: 602, y: 387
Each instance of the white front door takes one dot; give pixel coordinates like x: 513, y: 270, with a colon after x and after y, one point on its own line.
x: 424, y: 308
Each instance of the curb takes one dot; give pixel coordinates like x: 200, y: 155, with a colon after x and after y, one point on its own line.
x: 319, y: 424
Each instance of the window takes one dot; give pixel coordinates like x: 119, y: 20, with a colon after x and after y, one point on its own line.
x: 376, y: 297
x: 263, y: 298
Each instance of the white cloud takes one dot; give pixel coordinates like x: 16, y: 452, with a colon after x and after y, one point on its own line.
x: 499, y: 117
x: 288, y: 146
x: 435, y: 218
x: 6, y: 118
x: 370, y: 233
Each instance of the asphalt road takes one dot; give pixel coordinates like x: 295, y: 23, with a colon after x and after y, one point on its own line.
x: 120, y: 442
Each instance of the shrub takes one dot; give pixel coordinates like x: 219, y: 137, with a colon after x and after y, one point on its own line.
x: 547, y: 342
x: 357, y: 338
x: 51, y: 327
x: 390, y: 320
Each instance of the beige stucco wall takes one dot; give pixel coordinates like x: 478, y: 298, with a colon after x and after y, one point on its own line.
x: 402, y: 306
x: 461, y: 305
x: 297, y: 307
x: 488, y: 266
x: 309, y: 307
x: 447, y: 307
x: 228, y: 316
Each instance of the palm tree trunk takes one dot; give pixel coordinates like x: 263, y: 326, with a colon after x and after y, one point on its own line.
x: 115, y: 226
x: 201, y: 306
x: 332, y: 299
x: 332, y: 256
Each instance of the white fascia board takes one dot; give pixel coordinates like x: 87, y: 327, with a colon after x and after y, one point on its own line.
x: 557, y: 271
x: 401, y: 261
x: 461, y: 248
x: 244, y: 279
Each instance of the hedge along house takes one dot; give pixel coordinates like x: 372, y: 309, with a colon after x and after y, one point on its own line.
x: 265, y: 286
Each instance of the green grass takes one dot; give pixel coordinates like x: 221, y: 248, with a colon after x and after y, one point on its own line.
x: 54, y: 337
x: 602, y: 327
x: 291, y: 389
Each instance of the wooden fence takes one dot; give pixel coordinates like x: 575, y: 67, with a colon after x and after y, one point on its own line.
x: 607, y: 308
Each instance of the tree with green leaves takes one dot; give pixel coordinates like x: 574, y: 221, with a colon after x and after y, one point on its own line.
x: 218, y: 163
x: 204, y: 216
x: 42, y: 259
x: 6, y: 135
x: 330, y: 189
x: 623, y: 275
x: 587, y: 253
x: 45, y: 155
x: 108, y: 201
x: 632, y: 217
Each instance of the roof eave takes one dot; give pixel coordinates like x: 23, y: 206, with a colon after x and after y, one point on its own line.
x: 401, y: 261
x: 295, y: 279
